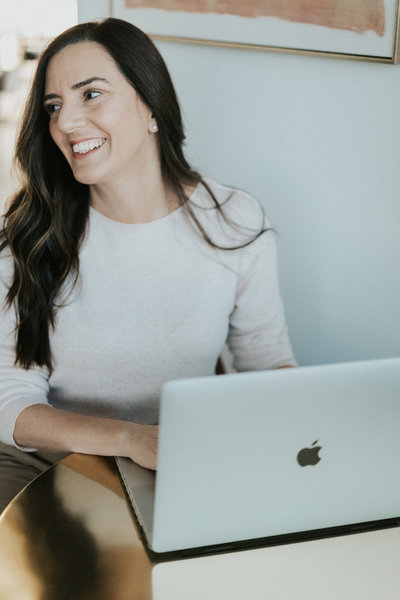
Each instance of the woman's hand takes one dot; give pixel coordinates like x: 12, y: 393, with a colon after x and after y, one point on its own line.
x: 141, y: 444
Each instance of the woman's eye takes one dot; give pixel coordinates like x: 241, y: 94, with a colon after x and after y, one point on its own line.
x: 90, y: 94
x: 51, y: 108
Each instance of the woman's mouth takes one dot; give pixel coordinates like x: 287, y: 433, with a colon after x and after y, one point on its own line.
x: 81, y: 149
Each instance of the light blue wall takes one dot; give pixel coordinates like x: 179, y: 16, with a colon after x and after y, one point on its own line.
x: 317, y: 141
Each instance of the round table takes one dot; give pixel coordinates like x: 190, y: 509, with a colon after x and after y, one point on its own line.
x: 69, y: 535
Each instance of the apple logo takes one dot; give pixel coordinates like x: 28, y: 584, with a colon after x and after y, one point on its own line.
x: 309, y: 456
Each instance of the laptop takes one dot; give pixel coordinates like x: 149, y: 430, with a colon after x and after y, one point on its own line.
x: 261, y: 458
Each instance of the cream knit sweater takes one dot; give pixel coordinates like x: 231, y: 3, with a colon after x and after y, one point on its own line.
x: 154, y: 302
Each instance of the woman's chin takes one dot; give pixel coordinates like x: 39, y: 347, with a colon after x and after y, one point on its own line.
x: 86, y: 179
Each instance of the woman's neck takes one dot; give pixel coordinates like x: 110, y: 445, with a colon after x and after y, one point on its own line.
x: 136, y: 200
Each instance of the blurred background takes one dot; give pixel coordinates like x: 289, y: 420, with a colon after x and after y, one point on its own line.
x: 25, y: 28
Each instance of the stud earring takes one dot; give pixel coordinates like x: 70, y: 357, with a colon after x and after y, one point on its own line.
x: 154, y: 128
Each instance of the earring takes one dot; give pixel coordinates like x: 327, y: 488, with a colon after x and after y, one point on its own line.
x: 154, y: 128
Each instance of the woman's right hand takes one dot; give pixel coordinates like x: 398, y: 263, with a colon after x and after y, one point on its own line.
x: 141, y: 444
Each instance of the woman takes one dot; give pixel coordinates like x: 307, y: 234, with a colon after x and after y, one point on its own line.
x: 120, y: 267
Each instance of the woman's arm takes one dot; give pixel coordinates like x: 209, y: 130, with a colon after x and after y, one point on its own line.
x: 258, y: 337
x: 47, y: 428
x: 27, y: 419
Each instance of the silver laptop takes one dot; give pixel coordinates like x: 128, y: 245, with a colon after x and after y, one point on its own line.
x: 267, y: 457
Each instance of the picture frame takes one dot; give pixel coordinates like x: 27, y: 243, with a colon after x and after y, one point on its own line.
x: 353, y: 29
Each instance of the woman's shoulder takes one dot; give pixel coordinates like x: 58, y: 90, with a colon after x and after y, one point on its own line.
x: 228, y: 197
x: 228, y: 210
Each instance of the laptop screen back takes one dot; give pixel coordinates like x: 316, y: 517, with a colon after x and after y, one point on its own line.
x: 262, y: 454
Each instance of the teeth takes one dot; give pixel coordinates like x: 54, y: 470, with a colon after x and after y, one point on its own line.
x: 85, y: 147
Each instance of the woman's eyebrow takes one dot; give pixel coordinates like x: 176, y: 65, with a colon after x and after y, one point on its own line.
x: 76, y: 86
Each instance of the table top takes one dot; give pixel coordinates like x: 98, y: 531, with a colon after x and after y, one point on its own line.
x: 70, y: 535
x: 70, y: 531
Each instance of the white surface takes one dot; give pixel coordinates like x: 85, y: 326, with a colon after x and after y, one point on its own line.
x: 90, y: 10
x: 41, y: 18
x: 357, y: 567
x: 227, y: 466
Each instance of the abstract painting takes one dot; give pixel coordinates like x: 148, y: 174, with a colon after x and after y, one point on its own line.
x: 360, y: 28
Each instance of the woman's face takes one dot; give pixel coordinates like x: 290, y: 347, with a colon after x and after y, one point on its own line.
x: 97, y: 119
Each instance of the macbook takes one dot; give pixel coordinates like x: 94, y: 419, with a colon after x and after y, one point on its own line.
x: 261, y: 458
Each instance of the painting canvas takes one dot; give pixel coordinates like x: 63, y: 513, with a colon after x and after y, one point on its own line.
x: 361, y: 28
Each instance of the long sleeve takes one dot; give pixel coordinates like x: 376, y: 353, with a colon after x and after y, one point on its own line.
x: 19, y: 388
x: 258, y: 337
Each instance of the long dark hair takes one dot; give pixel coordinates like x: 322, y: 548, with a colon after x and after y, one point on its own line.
x: 46, y: 220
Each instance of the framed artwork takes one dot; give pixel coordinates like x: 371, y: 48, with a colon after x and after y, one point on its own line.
x: 361, y: 29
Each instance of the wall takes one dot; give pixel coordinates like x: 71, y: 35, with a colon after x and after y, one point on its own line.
x: 316, y: 140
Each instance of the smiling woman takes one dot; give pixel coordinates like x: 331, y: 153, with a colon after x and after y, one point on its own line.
x: 104, y: 130
x: 120, y: 266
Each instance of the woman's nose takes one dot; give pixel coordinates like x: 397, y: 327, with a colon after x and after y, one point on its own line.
x: 70, y: 117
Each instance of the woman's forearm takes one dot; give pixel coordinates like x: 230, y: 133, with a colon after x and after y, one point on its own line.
x: 46, y: 428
